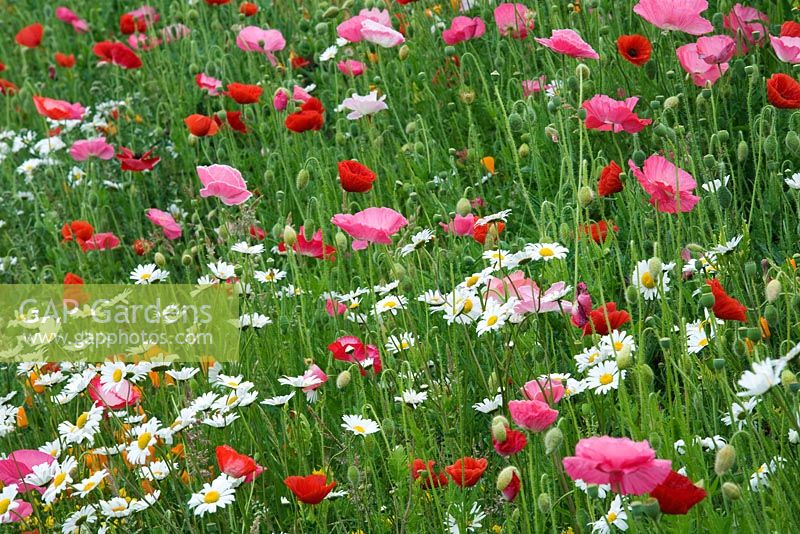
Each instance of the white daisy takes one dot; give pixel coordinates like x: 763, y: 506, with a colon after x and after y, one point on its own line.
x: 489, y: 405
x: 412, y: 398
x: 794, y: 181
x: 649, y: 283
x: 391, y: 304
x: 616, y: 516
x: 279, y: 400
x: 547, y: 251
x: 86, y: 485
x: 396, y: 344
x: 727, y: 247
x: 180, y: 375
x: 270, y: 276
x: 222, y: 270
x: 589, y: 358
x: 417, y: 241
x: 218, y: 494
x: 762, y: 377
x: 79, y: 521
x: 360, y: 426
x: 147, y: 274
x: 243, y: 248
x: 604, y: 377
x: 143, y: 437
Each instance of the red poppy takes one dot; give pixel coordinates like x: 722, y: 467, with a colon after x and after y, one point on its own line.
x: 677, y: 494
x: 30, y: 36
x: 2, y: 66
x: 310, y: 489
x: 404, y: 2
x: 136, y: 163
x: 310, y: 117
x: 80, y: 231
x: 425, y: 475
x: 355, y: 177
x: 237, y: 465
x: 609, y: 182
x: 64, y: 60
x: 217, y: 2
x: 74, y: 295
x: 129, y: 24
x: 117, y: 54
x: 142, y: 247
x: 599, y: 324
x: 248, y: 9
x: 725, y: 306
x: 7, y: 88
x: 515, y: 442
x: 72, y: 279
x: 243, y: 93
x: 635, y: 48
x: 201, y: 126
x: 783, y: 91
x: 257, y: 232
x: 598, y: 231
x: 480, y: 230
x: 790, y: 28
x: 299, y: 62
x: 467, y: 471
x: 234, y: 119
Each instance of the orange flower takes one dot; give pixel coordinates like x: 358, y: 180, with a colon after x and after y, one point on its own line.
x: 22, y: 417
x: 488, y: 163
x: 201, y: 126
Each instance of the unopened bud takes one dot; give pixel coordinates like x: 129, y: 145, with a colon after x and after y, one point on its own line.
x: 302, y: 179
x: 742, y: 151
x: 524, y: 151
x: 726, y: 456
x: 671, y: 102
x: 655, y: 267
x: 341, y: 240
x: 731, y: 491
x: 186, y: 260
x: 631, y: 294
x: 343, y: 379
x: 353, y: 476
x: 585, y: 196
x: 553, y: 440
x: 544, y: 503
x: 624, y: 357
x: 160, y: 260
x: 403, y: 52
x: 505, y: 477
x: 467, y: 96
x: 582, y: 71
x: 289, y: 236
x: 463, y: 207
x: 788, y: 378
x: 707, y: 300
x: 773, y: 290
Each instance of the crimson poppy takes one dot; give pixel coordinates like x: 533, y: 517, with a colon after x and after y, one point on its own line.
x: 467, y: 471
x: 311, y: 489
x: 30, y: 36
x: 80, y: 231
x: 725, y: 306
x: 136, y: 163
x: 480, y: 230
x: 299, y: 62
x: 72, y: 279
x: 355, y: 177
x: 234, y: 119
x: 237, y: 465
x: 677, y: 494
x: 201, y: 125
x: 117, y: 54
x: 783, y: 91
x: 64, y: 60
x: 243, y: 93
x: 515, y: 442
x: 424, y: 473
x: 599, y: 230
x: 609, y: 182
x: 635, y: 48
x: 257, y: 232
x: 2, y: 66
x: 790, y: 28
x: 129, y: 24
x: 217, y: 2
x: 7, y: 87
x: 248, y: 9
x: 605, y: 319
x: 142, y: 247
x: 310, y: 117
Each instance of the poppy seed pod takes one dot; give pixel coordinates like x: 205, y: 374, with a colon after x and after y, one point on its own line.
x: 742, y: 151
x: 186, y: 260
x: 671, y: 102
x: 463, y: 207
x: 726, y: 457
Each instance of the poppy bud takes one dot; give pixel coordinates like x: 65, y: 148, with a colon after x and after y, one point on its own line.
x: 661, y: 129
x: 463, y: 207
x: 403, y: 52
x: 631, y: 295
x: 585, y: 196
x: 302, y: 179
x: 724, y: 197
x: 186, y: 260
x: 289, y: 236
x: 726, y: 456
x: 330, y: 12
x: 645, y: 373
x: 773, y: 291
x: 707, y: 300
x: 665, y: 343
x: 353, y: 476
x: 341, y: 240
x: 655, y: 267
x: 160, y: 259
x: 672, y: 102
x: 750, y: 268
x: 582, y: 71
x: 771, y: 314
x: 343, y: 379
x: 639, y: 157
x: 770, y: 145
x: 709, y: 161
x: 592, y: 490
x: 754, y: 334
x: 544, y: 503
x: 524, y: 151
x: 553, y: 440
x: 655, y: 105
x: 505, y: 477
x: 551, y: 132
x: 788, y: 378
x: 731, y: 491
x: 742, y: 151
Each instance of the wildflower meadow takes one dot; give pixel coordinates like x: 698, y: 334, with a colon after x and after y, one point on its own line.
x: 472, y: 266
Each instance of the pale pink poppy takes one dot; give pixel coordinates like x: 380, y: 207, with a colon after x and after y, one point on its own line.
x: 582, y: 306
x: 147, y: 13
x: 670, y: 187
x: 314, y: 372
x: 530, y: 87
x: 101, y: 241
x: 255, y: 39
x: 568, y: 42
x: 58, y: 110
x: 716, y: 49
x: 351, y: 67
x: 678, y: 15
x: 172, y: 230
x: 113, y: 396
x: 533, y: 415
x: 530, y: 298
x: 85, y: 148
x: 372, y: 225
x: 549, y: 390
x: 786, y: 48
x: 605, y: 114
x: 629, y: 466
x: 381, y: 16
x: 19, y: 464
x: 64, y: 14
x: 281, y: 99
x: 350, y: 29
x: 748, y: 26
x: 175, y: 32
x: 223, y: 182
x: 361, y: 106
x: 701, y: 72
x: 380, y: 35
x: 513, y: 20
x: 208, y: 83
x: 463, y: 29
x: 139, y: 41
x: 299, y: 94
x: 334, y: 307
x: 461, y: 225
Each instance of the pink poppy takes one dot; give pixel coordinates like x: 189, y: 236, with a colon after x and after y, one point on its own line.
x: 701, y: 72
x: 254, y: 39
x: 314, y: 247
x: 207, y: 83
x: 58, y: 110
x: 350, y: 29
x: 64, y: 14
x: 317, y: 373
x: 547, y: 389
x: 361, y: 106
x: 299, y: 94
x: 351, y: 67
x: 568, y: 42
x: 512, y: 20
x: 172, y: 230
x: 19, y: 464
x: 86, y: 148
x: 533, y: 415
x: 118, y: 396
x: 351, y: 349
x: 629, y: 466
x: 461, y: 225
x: 148, y: 14
x: 677, y: 15
x: 174, y: 32
x: 462, y: 29
x: 139, y: 41
x: 716, y: 49
x: 384, y: 36
x: 582, y: 306
x: 101, y: 241
x: 669, y: 186
x: 281, y: 99
x: 605, y: 114
x: 744, y: 22
x: 223, y: 182
x: 530, y: 87
x: 529, y: 296
x: 786, y: 48
x: 334, y: 307
x: 372, y: 225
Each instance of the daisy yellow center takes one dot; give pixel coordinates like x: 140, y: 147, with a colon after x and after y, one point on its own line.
x: 119, y: 508
x: 546, y: 252
x: 491, y: 321
x: 117, y: 376
x: 404, y: 344
x: 647, y: 280
x: 82, y: 419
x: 390, y: 304
x: 89, y: 486
x: 211, y: 497
x: 703, y: 342
x: 360, y: 429
x: 232, y: 384
x: 59, y: 479
x: 618, y: 345
x: 606, y: 379
x: 143, y: 440
x: 4, y: 504
x: 145, y: 276
x: 612, y: 516
x: 467, y: 306
x: 472, y: 280
x: 232, y: 399
x: 354, y: 305
x: 270, y: 276
x: 592, y: 357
